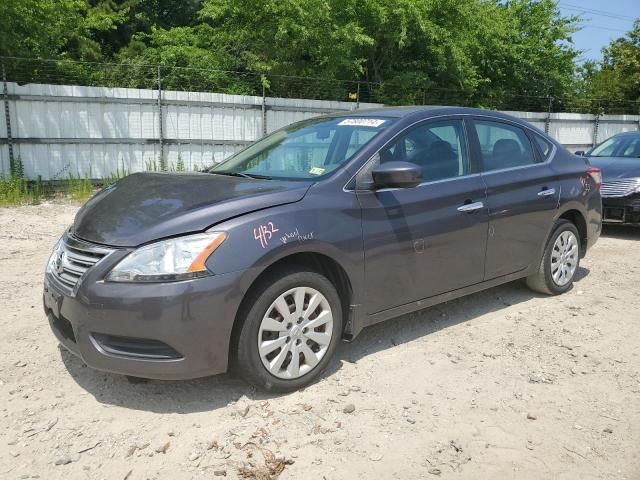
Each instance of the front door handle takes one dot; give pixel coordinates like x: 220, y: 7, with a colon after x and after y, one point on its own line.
x: 547, y: 192
x: 470, y: 207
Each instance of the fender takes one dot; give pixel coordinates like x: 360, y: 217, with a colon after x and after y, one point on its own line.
x: 268, y: 236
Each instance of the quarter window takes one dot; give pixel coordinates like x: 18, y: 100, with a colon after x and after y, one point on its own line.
x: 440, y: 148
x: 544, y: 145
x: 503, y: 146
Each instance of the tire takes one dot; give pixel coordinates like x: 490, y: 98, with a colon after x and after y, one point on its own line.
x: 276, y: 370
x: 547, y: 280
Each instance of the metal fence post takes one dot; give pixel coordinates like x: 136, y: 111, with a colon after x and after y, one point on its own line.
x: 264, y: 110
x: 160, y: 121
x: 7, y: 118
x: 358, y: 97
x: 547, y: 122
x: 595, y: 128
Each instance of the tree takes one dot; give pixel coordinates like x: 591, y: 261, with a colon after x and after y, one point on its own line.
x: 491, y: 53
x: 110, y: 25
x: 614, y: 83
x: 37, y: 28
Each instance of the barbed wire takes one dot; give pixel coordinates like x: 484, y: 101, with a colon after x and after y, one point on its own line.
x: 194, y: 79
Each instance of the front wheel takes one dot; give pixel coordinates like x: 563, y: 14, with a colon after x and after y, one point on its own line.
x: 291, y: 328
x: 560, y: 261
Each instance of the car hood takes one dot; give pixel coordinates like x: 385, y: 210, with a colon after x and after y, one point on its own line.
x: 144, y: 207
x: 614, y: 168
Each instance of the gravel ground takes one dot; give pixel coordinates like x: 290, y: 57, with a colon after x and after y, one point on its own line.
x: 501, y: 384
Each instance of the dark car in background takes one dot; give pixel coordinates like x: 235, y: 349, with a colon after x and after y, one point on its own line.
x: 619, y: 159
x: 269, y: 259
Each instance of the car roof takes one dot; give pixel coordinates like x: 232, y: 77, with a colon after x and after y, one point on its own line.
x: 627, y: 134
x: 425, y: 111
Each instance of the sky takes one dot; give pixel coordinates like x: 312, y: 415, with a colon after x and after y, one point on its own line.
x: 604, y: 20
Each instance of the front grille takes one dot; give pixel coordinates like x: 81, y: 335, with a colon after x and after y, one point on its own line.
x: 74, y: 258
x: 619, y: 188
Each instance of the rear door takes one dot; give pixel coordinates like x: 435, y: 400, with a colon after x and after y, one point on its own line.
x: 522, y: 195
x: 430, y: 239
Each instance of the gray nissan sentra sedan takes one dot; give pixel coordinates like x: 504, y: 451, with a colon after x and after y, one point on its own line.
x: 265, y: 262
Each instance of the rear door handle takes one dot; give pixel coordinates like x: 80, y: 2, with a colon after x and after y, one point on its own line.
x: 547, y: 192
x: 470, y: 207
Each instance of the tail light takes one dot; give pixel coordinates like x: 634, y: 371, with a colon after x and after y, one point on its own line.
x: 596, y: 175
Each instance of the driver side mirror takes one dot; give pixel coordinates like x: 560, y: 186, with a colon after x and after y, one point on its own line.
x: 580, y: 153
x: 397, y: 175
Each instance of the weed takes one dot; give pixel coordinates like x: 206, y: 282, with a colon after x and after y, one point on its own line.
x: 79, y: 188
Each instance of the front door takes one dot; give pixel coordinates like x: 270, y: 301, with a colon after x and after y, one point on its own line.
x: 522, y: 196
x: 431, y: 239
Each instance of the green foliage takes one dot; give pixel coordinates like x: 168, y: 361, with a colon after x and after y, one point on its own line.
x: 508, y: 54
x: 17, y: 169
x: 614, y: 84
x: 115, y: 176
x: 79, y: 188
x: 15, y: 190
x: 179, y: 164
x: 38, y: 28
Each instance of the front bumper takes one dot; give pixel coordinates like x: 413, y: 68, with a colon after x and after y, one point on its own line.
x: 165, y: 331
x: 621, y: 210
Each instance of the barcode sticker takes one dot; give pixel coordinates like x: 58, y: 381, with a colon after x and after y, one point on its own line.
x: 362, y: 122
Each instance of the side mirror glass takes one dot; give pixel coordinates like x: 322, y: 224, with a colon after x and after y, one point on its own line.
x: 397, y: 175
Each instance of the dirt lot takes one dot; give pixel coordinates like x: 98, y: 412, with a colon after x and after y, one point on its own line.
x: 501, y: 384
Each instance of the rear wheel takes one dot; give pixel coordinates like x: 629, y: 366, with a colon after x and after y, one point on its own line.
x: 291, y: 328
x: 560, y: 261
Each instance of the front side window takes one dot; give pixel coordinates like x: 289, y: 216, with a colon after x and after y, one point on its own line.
x: 305, y: 150
x: 440, y: 148
x: 503, y: 146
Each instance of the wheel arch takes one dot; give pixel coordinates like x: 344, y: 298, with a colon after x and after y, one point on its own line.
x: 576, y: 217
x: 314, y: 261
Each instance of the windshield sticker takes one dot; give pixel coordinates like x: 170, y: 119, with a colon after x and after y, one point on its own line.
x: 362, y: 122
x: 316, y: 171
x: 264, y: 233
x: 296, y: 236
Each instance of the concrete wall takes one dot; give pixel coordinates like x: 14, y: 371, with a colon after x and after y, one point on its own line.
x: 95, y: 131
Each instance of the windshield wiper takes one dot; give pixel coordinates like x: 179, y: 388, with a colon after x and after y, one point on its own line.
x: 243, y: 175
x: 256, y: 175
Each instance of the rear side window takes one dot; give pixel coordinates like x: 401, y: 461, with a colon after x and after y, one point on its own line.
x: 633, y: 148
x: 503, y: 146
x: 544, y: 145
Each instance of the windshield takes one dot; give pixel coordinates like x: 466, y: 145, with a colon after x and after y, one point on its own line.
x: 305, y: 150
x: 621, y: 146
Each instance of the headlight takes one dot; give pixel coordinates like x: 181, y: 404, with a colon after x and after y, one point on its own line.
x: 54, y: 256
x: 171, y: 260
